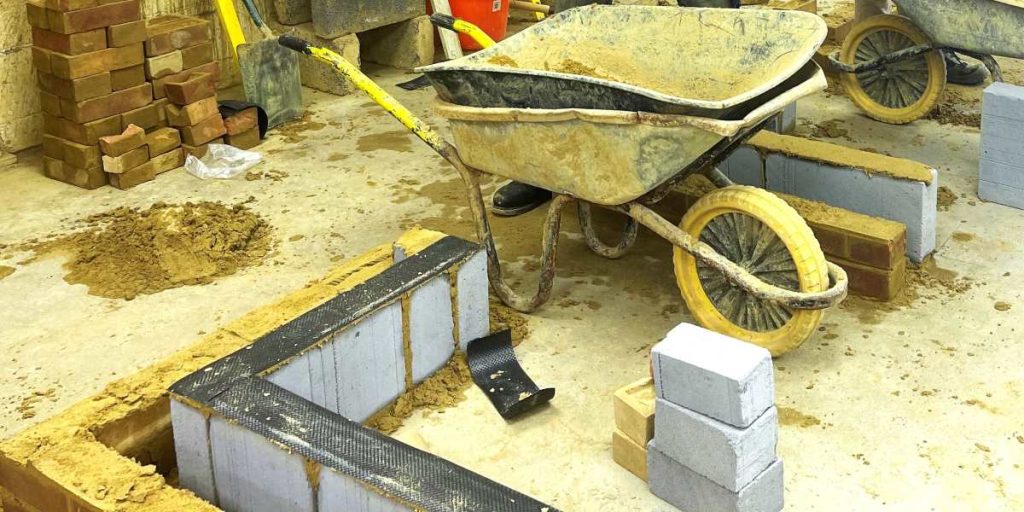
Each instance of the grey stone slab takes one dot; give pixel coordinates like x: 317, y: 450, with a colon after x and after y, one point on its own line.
x: 293, y: 12
x: 691, y: 492
x: 715, y: 375
x: 911, y: 202
x: 192, y: 451
x: 474, y: 305
x: 333, y: 18
x: 729, y: 456
x: 431, y: 327
x: 1001, y: 194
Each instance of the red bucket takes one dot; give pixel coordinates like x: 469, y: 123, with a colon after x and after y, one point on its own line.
x: 490, y: 15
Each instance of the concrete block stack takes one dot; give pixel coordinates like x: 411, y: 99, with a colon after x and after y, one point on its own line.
x: 1001, y: 176
x: 193, y: 111
x: 88, y: 55
x: 634, y: 426
x: 715, y: 424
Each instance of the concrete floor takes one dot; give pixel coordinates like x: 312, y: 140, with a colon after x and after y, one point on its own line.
x: 887, y: 408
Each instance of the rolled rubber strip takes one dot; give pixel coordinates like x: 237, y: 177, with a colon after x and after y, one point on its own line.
x: 497, y: 372
x: 419, y: 82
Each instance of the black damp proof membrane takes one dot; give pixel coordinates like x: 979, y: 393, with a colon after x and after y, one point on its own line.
x: 232, y: 386
x: 497, y: 372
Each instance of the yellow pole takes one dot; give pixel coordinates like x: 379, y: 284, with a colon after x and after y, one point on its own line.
x: 229, y: 19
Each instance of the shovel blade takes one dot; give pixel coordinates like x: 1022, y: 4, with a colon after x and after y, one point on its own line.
x: 270, y: 75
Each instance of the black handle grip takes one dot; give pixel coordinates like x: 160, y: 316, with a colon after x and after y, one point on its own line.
x: 443, y: 20
x: 294, y: 43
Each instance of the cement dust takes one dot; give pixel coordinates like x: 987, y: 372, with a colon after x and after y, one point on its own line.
x: 960, y: 236
x: 829, y: 130
x: 272, y: 175
x: 395, y: 140
x: 926, y: 281
x: 445, y: 388
x: 127, y: 252
x: 947, y: 198
x: 792, y: 417
x: 504, y: 317
x: 503, y: 60
x: 5, y: 271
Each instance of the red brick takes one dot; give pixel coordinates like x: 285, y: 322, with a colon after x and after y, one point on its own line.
x: 158, y: 84
x: 41, y: 59
x: 84, y: 178
x: 102, y: 16
x: 70, y: 44
x: 124, y: 34
x: 162, y: 140
x: 52, y: 147
x: 69, y: 5
x: 82, y: 133
x: 193, y: 113
x: 72, y: 153
x: 242, y: 121
x: 168, y: 161
x: 121, y: 79
x: 174, y: 32
x: 78, y: 66
x: 161, y: 108
x: 164, y: 65
x: 195, y: 87
x: 37, y: 16
x: 80, y: 89
x: 146, y: 117
x: 133, y: 177
x: 878, y: 253
x: 197, y: 55
x: 196, y: 151
x: 244, y: 140
x: 50, y: 103
x: 873, y: 282
x: 127, y: 161
x: 207, y: 130
x: 109, y: 105
x: 131, y: 138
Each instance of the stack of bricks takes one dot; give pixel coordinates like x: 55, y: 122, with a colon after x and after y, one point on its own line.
x: 1001, y: 177
x: 715, y: 424
x: 242, y: 129
x: 88, y: 55
x: 634, y: 426
x: 134, y: 157
x: 179, y: 60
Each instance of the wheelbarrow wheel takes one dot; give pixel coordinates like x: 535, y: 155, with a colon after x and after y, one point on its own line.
x: 761, y: 233
x: 900, y: 92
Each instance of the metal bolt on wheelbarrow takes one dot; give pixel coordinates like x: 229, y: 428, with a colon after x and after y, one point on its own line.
x: 746, y: 263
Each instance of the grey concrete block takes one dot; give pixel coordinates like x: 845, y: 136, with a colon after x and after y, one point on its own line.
x: 691, y: 492
x: 713, y: 374
x: 340, y: 493
x: 1005, y: 127
x: 911, y: 202
x: 403, y: 45
x: 1003, y: 100
x: 783, y: 122
x: 744, y: 166
x: 294, y: 376
x: 333, y: 18
x: 369, y: 361
x: 474, y: 308
x: 255, y: 475
x: 1001, y: 194
x: 192, y: 451
x: 1009, y: 174
x: 293, y: 12
x: 431, y: 327
x: 1001, y: 149
x: 729, y: 456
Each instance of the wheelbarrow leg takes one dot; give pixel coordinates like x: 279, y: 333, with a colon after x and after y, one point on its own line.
x: 989, y: 62
x: 611, y: 252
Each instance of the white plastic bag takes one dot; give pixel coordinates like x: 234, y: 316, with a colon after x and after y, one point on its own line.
x: 222, y: 161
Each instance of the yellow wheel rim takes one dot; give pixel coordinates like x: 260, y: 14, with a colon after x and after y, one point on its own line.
x: 900, y: 92
x: 761, y: 233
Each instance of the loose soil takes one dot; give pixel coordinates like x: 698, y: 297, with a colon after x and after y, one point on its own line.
x: 829, y: 129
x: 503, y: 60
x: 128, y: 252
x: 946, y: 199
x: 443, y: 389
x: 958, y: 107
x: 504, y: 317
x: 5, y: 271
x: 792, y: 417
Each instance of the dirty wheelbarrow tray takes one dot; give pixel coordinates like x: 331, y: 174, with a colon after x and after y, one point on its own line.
x: 745, y: 261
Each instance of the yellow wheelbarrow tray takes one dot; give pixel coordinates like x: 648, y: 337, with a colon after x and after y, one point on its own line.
x: 774, y: 299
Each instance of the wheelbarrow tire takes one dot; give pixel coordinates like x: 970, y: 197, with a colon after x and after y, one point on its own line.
x: 917, y: 84
x: 778, y: 247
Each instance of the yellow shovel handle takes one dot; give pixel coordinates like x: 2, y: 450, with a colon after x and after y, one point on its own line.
x: 229, y: 19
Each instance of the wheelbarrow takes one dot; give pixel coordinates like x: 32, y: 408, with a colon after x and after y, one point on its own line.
x: 892, y: 66
x: 746, y: 263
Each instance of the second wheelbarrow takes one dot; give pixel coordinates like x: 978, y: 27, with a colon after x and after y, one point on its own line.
x: 746, y: 263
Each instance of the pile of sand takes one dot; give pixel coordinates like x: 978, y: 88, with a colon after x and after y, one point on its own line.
x: 445, y: 388
x: 128, y: 251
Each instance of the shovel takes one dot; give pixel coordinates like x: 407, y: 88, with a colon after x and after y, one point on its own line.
x: 270, y: 72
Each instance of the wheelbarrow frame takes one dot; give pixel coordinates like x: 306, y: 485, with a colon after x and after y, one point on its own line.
x: 638, y: 211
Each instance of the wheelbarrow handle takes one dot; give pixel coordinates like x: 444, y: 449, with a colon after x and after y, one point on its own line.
x: 446, y: 21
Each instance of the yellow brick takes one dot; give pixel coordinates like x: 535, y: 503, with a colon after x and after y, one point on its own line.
x: 634, y: 410
x: 629, y: 455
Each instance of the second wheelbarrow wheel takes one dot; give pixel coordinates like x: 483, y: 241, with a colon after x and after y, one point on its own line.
x: 761, y: 233
x: 899, y: 92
